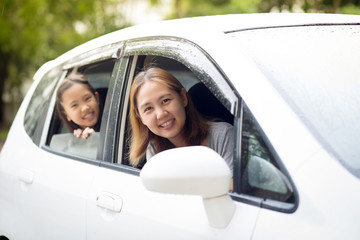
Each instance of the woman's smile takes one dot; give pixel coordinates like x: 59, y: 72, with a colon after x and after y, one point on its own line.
x: 166, y: 124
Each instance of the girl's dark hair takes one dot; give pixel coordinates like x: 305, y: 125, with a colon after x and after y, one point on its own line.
x: 65, y: 85
x: 196, y: 128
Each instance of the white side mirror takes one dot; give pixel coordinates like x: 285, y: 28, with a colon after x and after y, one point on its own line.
x: 193, y: 170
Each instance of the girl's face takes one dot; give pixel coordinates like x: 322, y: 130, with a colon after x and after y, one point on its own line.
x: 81, y: 105
x: 162, y: 110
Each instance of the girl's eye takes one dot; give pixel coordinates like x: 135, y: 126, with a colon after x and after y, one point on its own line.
x: 73, y: 106
x: 88, y: 98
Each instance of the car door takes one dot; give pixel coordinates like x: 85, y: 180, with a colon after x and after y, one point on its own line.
x: 120, y: 206
x: 52, y: 184
x: 49, y: 189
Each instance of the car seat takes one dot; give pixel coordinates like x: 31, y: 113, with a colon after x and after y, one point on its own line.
x: 208, y: 105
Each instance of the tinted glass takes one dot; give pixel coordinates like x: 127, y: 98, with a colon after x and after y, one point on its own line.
x: 261, y: 175
x: 40, y: 101
x: 316, y: 69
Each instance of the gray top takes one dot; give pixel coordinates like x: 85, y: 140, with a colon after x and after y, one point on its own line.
x: 220, y: 138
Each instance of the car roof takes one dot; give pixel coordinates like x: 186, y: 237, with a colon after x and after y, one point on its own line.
x: 200, y: 29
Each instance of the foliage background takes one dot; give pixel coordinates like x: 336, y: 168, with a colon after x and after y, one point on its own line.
x: 35, y: 31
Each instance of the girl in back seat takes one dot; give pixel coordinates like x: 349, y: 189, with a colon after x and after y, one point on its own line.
x: 77, y: 104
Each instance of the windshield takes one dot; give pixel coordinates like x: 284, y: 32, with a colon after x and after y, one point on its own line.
x: 317, y: 70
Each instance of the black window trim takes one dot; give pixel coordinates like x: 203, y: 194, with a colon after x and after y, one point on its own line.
x: 115, y: 127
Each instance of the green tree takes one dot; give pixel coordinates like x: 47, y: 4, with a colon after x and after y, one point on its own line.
x: 190, y: 8
x: 35, y: 31
x: 325, y: 6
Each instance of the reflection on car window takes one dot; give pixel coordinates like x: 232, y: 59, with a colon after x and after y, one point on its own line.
x: 261, y: 175
x: 67, y: 132
x: 39, y: 102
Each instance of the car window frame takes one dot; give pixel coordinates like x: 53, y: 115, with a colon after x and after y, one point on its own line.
x: 150, y: 46
x: 112, y: 52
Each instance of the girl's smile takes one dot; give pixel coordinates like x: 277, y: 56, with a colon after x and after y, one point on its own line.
x: 89, y: 116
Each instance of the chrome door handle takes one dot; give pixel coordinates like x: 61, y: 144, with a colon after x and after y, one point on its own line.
x: 109, y: 201
x: 26, y: 176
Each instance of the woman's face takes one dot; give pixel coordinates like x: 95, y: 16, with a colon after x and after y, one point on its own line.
x: 81, y: 105
x: 162, y: 110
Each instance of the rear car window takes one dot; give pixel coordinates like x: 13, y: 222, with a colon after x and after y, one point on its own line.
x: 60, y: 137
x: 39, y: 103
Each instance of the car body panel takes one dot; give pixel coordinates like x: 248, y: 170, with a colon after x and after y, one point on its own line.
x: 47, y: 190
x: 153, y: 215
x: 320, y: 182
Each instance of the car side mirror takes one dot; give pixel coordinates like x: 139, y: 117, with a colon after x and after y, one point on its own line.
x: 195, y: 170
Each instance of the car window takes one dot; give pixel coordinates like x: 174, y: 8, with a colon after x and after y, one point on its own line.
x: 39, y: 102
x: 261, y: 174
x: 199, y: 93
x: 60, y: 137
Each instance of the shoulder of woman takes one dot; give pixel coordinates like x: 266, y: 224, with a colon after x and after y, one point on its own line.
x: 219, y: 126
x: 218, y: 131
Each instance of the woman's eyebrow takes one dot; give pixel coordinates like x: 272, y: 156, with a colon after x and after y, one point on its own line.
x: 165, y: 95
x: 144, y: 105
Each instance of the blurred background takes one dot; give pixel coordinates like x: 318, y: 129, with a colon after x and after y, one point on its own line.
x: 35, y: 31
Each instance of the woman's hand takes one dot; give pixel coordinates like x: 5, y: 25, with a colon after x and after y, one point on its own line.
x: 83, y: 133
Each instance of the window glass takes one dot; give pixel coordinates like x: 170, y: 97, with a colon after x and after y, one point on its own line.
x: 261, y: 175
x: 61, y: 134
x: 35, y: 113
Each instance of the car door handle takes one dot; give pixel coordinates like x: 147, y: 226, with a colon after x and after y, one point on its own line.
x: 109, y: 201
x: 26, y: 176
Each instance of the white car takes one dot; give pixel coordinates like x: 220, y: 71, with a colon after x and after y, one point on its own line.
x: 288, y: 83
